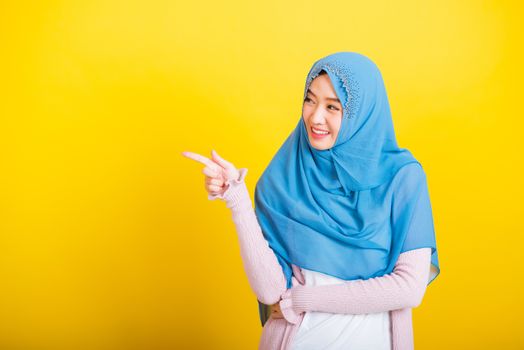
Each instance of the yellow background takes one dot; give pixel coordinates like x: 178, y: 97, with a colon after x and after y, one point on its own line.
x: 107, y: 239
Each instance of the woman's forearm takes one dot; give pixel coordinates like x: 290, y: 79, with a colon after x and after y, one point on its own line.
x: 262, y: 268
x: 403, y: 288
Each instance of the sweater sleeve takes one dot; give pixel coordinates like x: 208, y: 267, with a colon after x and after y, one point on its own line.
x: 402, y: 288
x: 402, y: 329
x: 264, y: 273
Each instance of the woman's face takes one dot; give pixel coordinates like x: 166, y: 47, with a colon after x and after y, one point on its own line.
x: 322, y: 112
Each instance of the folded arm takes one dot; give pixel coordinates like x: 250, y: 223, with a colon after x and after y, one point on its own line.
x: 402, y: 288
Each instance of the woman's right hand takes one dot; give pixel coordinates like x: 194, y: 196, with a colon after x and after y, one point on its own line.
x: 217, y: 170
x: 275, y: 311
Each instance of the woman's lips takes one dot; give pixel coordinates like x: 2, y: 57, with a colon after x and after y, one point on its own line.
x: 317, y: 136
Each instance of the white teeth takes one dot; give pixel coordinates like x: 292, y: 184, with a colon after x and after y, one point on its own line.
x: 319, y: 132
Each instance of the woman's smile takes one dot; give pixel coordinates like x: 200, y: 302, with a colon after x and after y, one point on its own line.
x: 318, y: 133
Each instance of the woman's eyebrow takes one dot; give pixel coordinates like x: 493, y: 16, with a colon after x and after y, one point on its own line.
x: 327, y: 98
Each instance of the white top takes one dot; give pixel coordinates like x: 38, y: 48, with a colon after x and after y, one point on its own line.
x: 327, y: 331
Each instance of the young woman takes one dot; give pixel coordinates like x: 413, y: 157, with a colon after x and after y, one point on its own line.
x: 341, y: 245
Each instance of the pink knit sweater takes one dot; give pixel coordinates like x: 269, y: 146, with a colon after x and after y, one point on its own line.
x: 397, y: 292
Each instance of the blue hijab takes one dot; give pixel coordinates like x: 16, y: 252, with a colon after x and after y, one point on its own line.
x: 350, y: 210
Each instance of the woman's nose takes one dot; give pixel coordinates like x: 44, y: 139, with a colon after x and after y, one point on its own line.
x: 317, y: 117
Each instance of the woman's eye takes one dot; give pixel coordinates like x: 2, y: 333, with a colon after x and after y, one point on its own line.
x: 307, y: 99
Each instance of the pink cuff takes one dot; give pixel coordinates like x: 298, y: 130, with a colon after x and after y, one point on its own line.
x: 291, y: 306
x: 286, y: 307
x: 234, y: 193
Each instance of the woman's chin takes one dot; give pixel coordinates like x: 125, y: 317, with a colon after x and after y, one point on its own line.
x: 321, y: 145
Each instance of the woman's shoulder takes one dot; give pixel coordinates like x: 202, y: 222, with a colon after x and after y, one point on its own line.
x: 413, y: 170
x: 408, y: 176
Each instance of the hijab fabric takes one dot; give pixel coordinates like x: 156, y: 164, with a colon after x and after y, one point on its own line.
x: 350, y: 210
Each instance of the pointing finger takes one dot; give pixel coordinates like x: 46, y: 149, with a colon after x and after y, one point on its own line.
x: 201, y: 159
